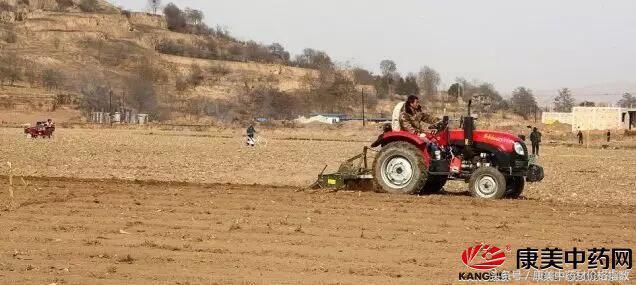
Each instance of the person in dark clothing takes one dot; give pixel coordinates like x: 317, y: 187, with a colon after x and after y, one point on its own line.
x: 609, y: 135
x: 250, y: 135
x: 535, y: 138
x: 580, y: 136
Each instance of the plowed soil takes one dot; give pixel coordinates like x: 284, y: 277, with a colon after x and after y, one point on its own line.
x: 108, y: 232
x: 166, y: 207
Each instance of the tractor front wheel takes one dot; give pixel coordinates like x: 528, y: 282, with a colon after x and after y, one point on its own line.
x: 487, y: 183
x: 400, y: 168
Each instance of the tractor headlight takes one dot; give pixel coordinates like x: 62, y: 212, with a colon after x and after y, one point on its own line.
x: 519, y: 148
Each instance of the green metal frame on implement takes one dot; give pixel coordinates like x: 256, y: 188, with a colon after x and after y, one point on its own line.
x: 354, y: 172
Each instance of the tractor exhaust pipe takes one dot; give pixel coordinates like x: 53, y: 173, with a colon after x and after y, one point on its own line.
x: 468, y: 126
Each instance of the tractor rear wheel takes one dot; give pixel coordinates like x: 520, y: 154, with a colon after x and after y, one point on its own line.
x: 487, y: 183
x: 514, y: 186
x: 400, y: 168
x: 434, y: 184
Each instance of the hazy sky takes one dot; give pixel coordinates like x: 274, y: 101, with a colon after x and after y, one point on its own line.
x: 541, y: 44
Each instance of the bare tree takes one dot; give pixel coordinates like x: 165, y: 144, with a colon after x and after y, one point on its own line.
x: 141, y: 95
x: 154, y: 5
x: 362, y: 76
x: 95, y: 96
x: 388, y: 67
x: 428, y: 79
x: 52, y: 79
x: 314, y: 59
x: 523, y: 102
x: 194, y: 16
x: 564, y: 101
x: 627, y: 101
x: 10, y: 68
x: 279, y: 51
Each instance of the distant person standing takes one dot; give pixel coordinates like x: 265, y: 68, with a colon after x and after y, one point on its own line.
x: 535, y: 138
x: 250, y: 135
x: 609, y: 135
x: 580, y: 135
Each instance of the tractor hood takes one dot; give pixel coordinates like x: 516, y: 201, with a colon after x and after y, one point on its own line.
x: 502, y: 141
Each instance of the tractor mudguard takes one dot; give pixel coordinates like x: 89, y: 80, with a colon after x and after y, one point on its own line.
x: 390, y: 137
x: 409, y: 137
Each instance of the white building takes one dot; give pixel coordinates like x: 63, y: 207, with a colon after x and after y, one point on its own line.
x: 550, y: 118
x: 603, y: 118
x: 326, y: 118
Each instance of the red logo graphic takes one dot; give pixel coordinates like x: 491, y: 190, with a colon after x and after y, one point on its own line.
x: 491, y: 257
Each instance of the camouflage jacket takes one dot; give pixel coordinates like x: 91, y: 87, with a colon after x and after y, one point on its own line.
x: 413, y: 122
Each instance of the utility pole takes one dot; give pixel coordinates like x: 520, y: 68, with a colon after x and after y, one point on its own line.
x: 364, y: 121
x: 110, y: 107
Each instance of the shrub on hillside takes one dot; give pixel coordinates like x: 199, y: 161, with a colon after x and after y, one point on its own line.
x: 181, y: 48
x: 269, y: 103
x: 181, y: 84
x: 141, y: 95
x: 89, y: 6
x: 362, y: 76
x: 196, y: 75
x: 52, y: 79
x: 64, y: 4
x: 219, y: 70
x: 10, y: 37
x: 4, y: 6
x: 95, y: 97
x: 316, y: 59
x: 10, y: 68
x: 175, y: 18
x: 193, y: 79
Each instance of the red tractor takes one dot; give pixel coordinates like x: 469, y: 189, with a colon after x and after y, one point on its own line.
x: 40, y: 130
x: 495, y: 164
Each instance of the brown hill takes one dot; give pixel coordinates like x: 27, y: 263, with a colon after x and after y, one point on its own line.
x: 46, y: 53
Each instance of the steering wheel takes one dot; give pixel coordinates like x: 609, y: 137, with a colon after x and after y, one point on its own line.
x: 439, y: 126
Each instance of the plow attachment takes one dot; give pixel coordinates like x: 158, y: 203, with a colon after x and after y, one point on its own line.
x: 354, y: 173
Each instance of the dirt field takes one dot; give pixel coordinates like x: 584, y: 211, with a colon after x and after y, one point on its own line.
x: 68, y: 231
x: 291, y: 158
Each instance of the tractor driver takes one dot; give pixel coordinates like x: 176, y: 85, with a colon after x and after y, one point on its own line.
x: 49, y: 123
x: 411, y: 120
x: 412, y: 117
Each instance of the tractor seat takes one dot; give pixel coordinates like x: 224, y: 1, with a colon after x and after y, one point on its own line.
x: 395, y: 118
